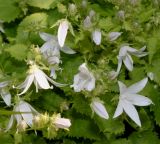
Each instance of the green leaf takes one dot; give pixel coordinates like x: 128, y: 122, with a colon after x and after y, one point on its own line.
x: 30, y: 27
x: 84, y: 128
x: 9, y: 11
x: 18, y: 51
x: 146, y: 137
x: 43, y: 4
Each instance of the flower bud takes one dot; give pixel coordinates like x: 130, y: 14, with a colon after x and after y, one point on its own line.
x: 72, y: 9
x: 84, y: 3
x: 114, y: 35
x: 87, y: 22
x: 121, y: 15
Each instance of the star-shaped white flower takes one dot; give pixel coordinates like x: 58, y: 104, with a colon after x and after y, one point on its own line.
x: 84, y: 80
x: 26, y: 116
x: 51, y: 45
x: 129, y: 97
x: 96, y: 36
x: 39, y: 78
x: 125, y: 57
x: 4, y: 92
x: 98, y: 107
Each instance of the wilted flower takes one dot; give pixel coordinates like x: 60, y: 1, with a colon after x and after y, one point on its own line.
x: 25, y: 118
x: 121, y: 15
x: 96, y: 36
x: 129, y: 97
x: 51, y: 46
x: 84, y: 80
x: 62, y: 123
x: 98, y: 107
x: 62, y: 32
x: 4, y: 92
x: 114, y: 35
x: 125, y: 56
x: 72, y: 9
x: 39, y: 78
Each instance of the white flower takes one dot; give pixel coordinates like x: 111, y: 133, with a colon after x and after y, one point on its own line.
x: 62, y: 123
x: 96, y: 36
x: 62, y: 32
x: 39, y: 78
x: 129, y: 97
x: 114, y: 35
x: 4, y: 92
x: 125, y: 57
x: 98, y: 107
x: 84, y: 80
x: 51, y: 46
x: 27, y: 113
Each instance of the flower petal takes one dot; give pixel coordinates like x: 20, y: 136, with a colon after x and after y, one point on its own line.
x: 56, y: 83
x: 67, y: 50
x: 114, y: 35
x: 119, y: 110
x: 122, y: 87
x: 46, y: 36
x: 10, y: 124
x: 27, y: 83
x: 128, y: 62
x: 138, y: 100
x: 96, y: 36
x: 137, y: 87
x: 131, y: 112
x: 90, y: 84
x: 62, y: 32
x: 41, y: 79
x: 98, y: 107
x: 6, y: 96
x: 46, y: 46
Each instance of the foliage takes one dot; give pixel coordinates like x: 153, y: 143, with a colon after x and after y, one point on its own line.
x: 22, y: 21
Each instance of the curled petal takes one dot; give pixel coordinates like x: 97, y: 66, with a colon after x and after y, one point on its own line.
x: 62, y: 32
x: 67, y: 50
x: 119, y: 110
x: 128, y: 62
x: 46, y: 36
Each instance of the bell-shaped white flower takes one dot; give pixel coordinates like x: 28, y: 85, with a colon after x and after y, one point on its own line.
x: 98, y: 107
x: 96, y: 36
x: 125, y: 56
x: 62, y: 32
x: 114, y: 35
x: 51, y: 47
x: 39, y: 78
x: 129, y: 97
x: 84, y: 80
x: 62, y: 123
x: 4, y: 92
x: 25, y: 114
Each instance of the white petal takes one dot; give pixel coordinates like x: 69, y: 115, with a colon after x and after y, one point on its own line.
x: 119, y: 110
x: 62, y: 32
x: 47, y: 46
x: 96, y: 36
x: 3, y: 84
x: 122, y: 87
x: 67, y: 50
x: 98, y: 107
x: 28, y: 83
x: 90, y: 84
x: 10, y: 124
x: 138, y: 100
x: 62, y: 123
x: 6, y: 97
x: 46, y: 36
x: 128, y: 62
x: 114, y: 35
x: 131, y: 112
x: 55, y: 83
x: 78, y: 83
x: 137, y: 87
x: 28, y: 117
x: 119, y: 66
x: 41, y: 79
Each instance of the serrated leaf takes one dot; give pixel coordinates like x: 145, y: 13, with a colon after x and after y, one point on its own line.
x: 18, y: 51
x: 9, y: 10
x: 43, y: 4
x: 84, y: 128
x: 146, y: 137
x: 30, y: 26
